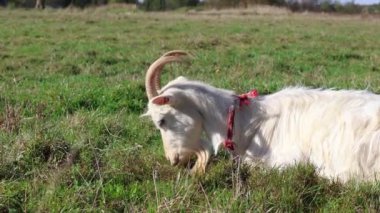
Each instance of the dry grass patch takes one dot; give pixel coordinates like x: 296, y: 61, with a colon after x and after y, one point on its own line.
x: 10, y: 119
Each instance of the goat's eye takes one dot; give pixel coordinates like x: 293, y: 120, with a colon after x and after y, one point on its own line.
x: 161, y: 123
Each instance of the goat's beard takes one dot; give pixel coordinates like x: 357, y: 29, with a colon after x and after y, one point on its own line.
x: 195, y: 160
x: 203, y: 156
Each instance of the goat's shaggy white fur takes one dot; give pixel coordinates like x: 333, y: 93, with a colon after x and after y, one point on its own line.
x: 336, y: 131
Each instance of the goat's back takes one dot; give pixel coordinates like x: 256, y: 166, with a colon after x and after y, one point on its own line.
x: 337, y: 131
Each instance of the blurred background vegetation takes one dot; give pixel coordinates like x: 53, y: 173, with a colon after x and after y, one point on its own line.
x: 330, y: 6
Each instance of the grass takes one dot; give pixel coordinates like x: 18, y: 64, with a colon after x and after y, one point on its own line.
x: 72, y: 90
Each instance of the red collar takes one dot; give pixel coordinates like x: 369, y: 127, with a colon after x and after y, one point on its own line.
x: 243, y: 100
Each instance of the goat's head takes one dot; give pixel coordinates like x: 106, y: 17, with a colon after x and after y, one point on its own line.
x: 179, y: 122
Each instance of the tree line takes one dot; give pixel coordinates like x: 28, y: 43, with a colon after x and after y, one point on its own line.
x: 164, y: 5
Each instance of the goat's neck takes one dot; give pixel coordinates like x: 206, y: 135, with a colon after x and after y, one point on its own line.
x: 246, y: 125
x: 214, y: 112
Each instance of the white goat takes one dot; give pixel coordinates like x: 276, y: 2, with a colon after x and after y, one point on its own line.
x: 336, y: 131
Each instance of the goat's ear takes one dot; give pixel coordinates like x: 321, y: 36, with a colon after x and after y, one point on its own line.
x: 162, y: 100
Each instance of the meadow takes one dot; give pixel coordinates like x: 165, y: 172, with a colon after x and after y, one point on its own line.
x: 72, y: 92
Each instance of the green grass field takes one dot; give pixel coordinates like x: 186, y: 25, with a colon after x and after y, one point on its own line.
x: 72, y: 90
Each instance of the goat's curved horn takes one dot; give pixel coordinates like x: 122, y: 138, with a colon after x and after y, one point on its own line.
x: 152, y: 78
x: 177, y: 53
